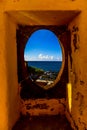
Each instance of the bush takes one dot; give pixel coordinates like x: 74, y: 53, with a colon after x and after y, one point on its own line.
x: 35, y: 70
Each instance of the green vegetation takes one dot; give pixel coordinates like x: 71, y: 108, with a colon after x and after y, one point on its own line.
x: 37, y: 73
x: 35, y: 70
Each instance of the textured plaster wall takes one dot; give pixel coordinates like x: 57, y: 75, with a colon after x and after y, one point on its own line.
x: 11, y: 65
x: 78, y: 72
x: 9, y: 96
x: 43, y: 5
x: 38, y: 107
x: 3, y: 78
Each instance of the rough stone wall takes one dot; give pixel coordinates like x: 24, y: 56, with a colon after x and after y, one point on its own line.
x: 78, y: 71
x: 38, y: 107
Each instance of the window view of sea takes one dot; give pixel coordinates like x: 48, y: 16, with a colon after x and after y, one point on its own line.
x: 43, y: 73
x: 43, y: 57
x: 52, y: 66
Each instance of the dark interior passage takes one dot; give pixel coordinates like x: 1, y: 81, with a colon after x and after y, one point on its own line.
x: 57, y: 122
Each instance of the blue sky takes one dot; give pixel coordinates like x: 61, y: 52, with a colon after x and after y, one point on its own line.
x: 43, y: 45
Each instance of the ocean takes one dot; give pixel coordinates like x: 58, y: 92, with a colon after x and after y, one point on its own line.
x: 52, y: 66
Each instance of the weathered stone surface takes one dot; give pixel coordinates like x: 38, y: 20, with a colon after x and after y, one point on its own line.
x: 37, y: 107
x: 43, y: 123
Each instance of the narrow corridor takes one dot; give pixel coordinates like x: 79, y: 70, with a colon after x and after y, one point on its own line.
x: 43, y: 123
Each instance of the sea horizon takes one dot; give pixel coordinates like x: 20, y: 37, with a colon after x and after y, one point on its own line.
x: 43, y: 61
x: 53, y: 66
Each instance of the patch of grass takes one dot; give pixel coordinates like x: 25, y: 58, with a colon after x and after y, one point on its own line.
x: 35, y: 70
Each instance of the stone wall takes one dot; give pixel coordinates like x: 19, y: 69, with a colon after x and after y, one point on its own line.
x: 41, y: 107
x: 78, y: 70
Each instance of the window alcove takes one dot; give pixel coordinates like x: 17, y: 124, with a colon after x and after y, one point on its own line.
x: 43, y: 57
x: 30, y: 89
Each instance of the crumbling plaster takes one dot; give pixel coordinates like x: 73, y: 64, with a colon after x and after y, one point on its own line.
x: 38, y: 107
x: 78, y: 71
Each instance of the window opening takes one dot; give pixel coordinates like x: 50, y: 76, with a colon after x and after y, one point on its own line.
x: 43, y: 58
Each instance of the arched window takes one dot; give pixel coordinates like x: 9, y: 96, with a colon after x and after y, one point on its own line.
x: 44, y: 58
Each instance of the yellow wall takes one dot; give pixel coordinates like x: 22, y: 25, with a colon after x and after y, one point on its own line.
x: 11, y: 64
x: 9, y: 96
x: 3, y: 78
x: 79, y: 71
x: 43, y: 5
x: 9, y: 110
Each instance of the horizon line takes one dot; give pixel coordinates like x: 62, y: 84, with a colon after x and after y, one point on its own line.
x: 43, y: 60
